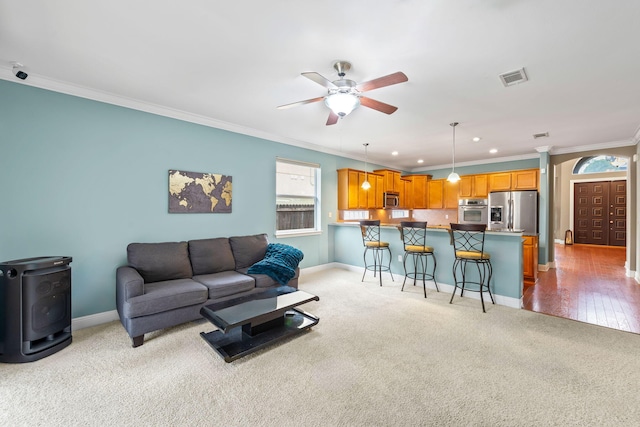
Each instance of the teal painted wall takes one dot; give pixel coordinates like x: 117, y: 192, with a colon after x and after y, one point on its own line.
x: 82, y: 178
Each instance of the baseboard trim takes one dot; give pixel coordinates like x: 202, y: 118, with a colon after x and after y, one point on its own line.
x: 93, y: 320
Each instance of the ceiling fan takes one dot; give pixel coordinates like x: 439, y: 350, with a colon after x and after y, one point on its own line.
x: 344, y: 95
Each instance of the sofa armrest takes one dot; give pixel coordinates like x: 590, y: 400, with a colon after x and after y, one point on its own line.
x: 129, y: 284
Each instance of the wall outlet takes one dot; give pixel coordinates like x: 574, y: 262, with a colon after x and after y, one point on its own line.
x: 446, y: 217
x: 330, y: 214
x: 399, y: 258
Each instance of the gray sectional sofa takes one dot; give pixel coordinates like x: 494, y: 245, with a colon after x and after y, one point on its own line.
x: 166, y: 284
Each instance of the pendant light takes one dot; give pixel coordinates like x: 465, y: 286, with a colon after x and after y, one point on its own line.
x: 453, y: 176
x: 365, y: 184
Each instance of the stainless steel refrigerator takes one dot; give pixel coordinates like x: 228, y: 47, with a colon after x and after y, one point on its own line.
x: 514, y: 210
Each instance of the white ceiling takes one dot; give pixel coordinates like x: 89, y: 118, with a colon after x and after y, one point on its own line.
x: 229, y: 64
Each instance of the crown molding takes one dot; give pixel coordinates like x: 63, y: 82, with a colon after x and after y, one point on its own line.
x: 66, y: 88
x: 602, y: 146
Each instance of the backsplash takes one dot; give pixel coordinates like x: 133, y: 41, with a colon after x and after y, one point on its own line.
x: 436, y: 216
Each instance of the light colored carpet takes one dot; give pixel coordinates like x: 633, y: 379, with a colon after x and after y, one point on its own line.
x: 378, y: 357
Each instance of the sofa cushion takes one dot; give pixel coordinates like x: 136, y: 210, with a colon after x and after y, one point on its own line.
x: 247, y: 250
x: 211, y: 256
x: 225, y: 283
x: 264, y: 281
x: 164, y: 296
x: 157, y: 262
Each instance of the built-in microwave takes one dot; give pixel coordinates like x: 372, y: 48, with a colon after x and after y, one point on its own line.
x: 473, y: 211
x: 391, y: 200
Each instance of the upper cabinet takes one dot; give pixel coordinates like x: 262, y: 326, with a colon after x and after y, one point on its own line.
x: 500, y: 181
x: 419, y: 192
x: 525, y: 179
x: 391, y: 180
x: 406, y: 193
x: 473, y: 186
x: 517, y: 180
x: 450, y: 194
x: 351, y: 195
x: 442, y: 194
x: 435, y: 193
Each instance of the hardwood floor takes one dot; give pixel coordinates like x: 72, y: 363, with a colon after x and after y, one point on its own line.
x: 589, y: 285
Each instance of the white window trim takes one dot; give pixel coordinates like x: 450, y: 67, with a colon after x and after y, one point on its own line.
x: 317, y: 215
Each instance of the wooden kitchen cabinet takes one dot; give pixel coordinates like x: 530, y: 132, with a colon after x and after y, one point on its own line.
x: 377, y: 202
x: 406, y: 194
x: 351, y: 195
x: 526, y: 179
x: 450, y: 194
x: 500, y: 181
x: 530, y: 259
x: 391, y: 179
x: 473, y: 186
x: 442, y: 194
x: 419, y: 191
x: 435, y: 192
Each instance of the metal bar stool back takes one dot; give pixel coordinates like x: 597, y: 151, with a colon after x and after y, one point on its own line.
x: 468, y: 246
x: 371, y: 240
x: 414, y: 239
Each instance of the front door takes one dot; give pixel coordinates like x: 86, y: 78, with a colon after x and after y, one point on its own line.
x: 600, y: 213
x: 618, y: 213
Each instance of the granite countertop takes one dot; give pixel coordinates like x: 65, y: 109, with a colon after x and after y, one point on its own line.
x: 430, y: 227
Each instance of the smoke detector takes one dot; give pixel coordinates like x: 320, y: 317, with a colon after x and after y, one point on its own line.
x: 514, y: 77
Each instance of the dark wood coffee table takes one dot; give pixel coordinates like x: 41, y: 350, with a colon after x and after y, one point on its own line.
x: 247, y: 324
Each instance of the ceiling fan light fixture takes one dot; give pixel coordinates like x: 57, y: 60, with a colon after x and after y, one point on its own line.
x: 342, y: 103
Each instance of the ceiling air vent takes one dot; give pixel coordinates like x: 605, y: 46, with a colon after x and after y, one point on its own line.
x: 514, y: 77
x: 541, y: 135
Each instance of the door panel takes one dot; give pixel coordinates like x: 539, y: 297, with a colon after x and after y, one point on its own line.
x: 618, y: 214
x: 600, y: 213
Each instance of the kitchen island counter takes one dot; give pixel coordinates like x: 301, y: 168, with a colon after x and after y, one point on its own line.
x: 505, y: 248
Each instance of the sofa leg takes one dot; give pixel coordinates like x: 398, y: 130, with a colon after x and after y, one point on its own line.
x: 137, y: 341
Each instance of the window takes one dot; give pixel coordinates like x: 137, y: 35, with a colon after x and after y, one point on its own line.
x: 600, y: 164
x: 297, y: 197
x: 354, y: 215
x: 399, y: 213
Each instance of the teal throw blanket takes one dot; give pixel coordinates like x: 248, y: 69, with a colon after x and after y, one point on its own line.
x: 279, y: 263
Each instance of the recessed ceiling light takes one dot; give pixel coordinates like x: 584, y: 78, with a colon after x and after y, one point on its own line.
x: 420, y: 161
x: 476, y: 138
x: 493, y: 151
x: 394, y: 153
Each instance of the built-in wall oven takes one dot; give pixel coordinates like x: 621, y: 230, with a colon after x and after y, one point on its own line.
x: 473, y: 211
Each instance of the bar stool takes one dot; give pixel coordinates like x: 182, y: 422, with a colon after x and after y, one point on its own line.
x: 371, y: 240
x: 414, y: 239
x: 468, y: 246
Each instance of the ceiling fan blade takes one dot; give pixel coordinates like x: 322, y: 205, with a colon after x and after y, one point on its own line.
x: 389, y: 80
x: 333, y: 119
x: 322, y: 81
x: 377, y: 105
x: 295, y: 104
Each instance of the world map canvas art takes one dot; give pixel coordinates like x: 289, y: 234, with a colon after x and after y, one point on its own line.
x: 195, y: 192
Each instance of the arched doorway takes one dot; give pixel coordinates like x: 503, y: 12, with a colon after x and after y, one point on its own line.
x: 564, y: 297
